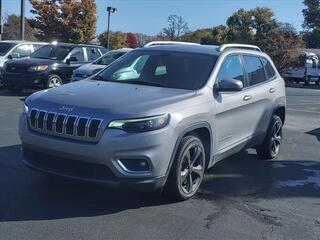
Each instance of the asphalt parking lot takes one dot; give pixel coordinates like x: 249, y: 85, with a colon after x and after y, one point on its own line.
x: 241, y: 198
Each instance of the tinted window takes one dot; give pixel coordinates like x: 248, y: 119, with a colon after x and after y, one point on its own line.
x: 5, y: 47
x: 103, y: 50
x: 22, y: 51
x: 231, y: 69
x: 51, y: 52
x: 161, y: 68
x: 37, y: 46
x: 108, y: 59
x: 254, y: 70
x: 78, y: 54
x: 271, y: 73
x: 92, y: 54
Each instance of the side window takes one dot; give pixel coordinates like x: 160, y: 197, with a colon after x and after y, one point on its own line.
x: 254, y: 69
x: 77, y: 53
x: 22, y: 51
x: 231, y: 68
x: 271, y: 73
x: 92, y: 54
x: 108, y: 59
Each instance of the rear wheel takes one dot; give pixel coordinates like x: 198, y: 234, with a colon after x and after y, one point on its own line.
x: 271, y: 145
x: 54, y: 81
x: 187, y: 171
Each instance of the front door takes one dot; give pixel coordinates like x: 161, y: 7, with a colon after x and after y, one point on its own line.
x: 232, y: 108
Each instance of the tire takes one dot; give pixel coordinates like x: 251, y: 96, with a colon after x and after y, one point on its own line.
x: 307, y: 81
x: 53, y: 81
x: 270, y: 147
x: 184, y: 181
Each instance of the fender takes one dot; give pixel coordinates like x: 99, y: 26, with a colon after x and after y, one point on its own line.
x: 183, y: 133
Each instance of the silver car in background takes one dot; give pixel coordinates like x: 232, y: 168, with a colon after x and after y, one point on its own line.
x: 158, y: 117
x: 90, y: 69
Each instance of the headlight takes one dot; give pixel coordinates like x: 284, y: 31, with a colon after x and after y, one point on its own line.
x: 38, y: 68
x: 25, y: 108
x: 141, y: 124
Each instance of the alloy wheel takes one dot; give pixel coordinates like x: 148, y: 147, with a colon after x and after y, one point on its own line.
x: 54, y: 82
x: 192, y: 169
x: 276, y: 138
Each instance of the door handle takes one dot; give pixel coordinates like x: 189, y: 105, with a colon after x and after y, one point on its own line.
x: 247, y: 98
x: 272, y: 90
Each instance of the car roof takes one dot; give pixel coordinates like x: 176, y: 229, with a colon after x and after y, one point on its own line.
x: 202, y: 49
x: 76, y: 45
x: 21, y: 41
x: 213, y: 50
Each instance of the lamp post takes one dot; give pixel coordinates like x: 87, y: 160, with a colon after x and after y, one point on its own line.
x: 110, y: 10
x: 1, y: 27
x: 22, y: 19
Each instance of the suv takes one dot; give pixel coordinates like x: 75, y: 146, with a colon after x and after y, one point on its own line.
x: 16, y: 49
x: 50, y: 66
x: 158, y: 117
x: 90, y: 69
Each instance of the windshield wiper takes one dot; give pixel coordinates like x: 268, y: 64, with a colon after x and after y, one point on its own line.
x: 142, y: 83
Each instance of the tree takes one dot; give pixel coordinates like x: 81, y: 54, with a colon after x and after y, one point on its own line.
x: 11, y: 29
x: 312, y: 23
x: 259, y: 27
x: 177, y: 26
x: 64, y: 20
x: 117, y: 40
x: 132, y: 41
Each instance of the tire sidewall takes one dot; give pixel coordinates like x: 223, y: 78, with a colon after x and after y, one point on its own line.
x: 275, y: 119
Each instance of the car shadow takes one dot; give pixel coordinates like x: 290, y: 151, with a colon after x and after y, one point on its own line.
x: 315, y: 132
x: 29, y: 195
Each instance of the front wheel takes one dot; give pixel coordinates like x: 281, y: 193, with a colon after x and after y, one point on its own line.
x: 54, y: 81
x: 271, y: 145
x: 187, y: 171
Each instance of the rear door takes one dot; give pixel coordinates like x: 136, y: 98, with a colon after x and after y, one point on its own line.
x: 78, y: 54
x: 259, y: 95
x: 231, y: 120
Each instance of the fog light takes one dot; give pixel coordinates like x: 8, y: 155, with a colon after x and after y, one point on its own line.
x: 36, y: 81
x: 134, y: 165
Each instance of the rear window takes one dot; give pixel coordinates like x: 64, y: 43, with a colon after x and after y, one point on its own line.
x: 165, y: 69
x: 271, y: 73
x: 254, y: 69
x: 92, y: 54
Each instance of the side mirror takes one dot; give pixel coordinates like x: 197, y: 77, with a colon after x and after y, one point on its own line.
x: 71, y: 59
x: 14, y: 55
x: 229, y: 85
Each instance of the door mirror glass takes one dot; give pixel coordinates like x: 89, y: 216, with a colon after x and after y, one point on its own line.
x: 229, y: 85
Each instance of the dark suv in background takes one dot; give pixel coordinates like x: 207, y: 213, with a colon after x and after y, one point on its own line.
x: 50, y: 66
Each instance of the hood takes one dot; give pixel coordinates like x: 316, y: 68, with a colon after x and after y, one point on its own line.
x: 30, y: 62
x: 109, y: 99
x: 89, y: 69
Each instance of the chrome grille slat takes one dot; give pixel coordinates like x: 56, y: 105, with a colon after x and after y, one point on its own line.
x: 63, y: 125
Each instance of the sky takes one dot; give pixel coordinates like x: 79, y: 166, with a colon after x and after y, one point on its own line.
x: 150, y: 16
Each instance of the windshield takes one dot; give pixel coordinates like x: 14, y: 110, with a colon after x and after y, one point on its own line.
x: 166, y: 69
x: 51, y: 52
x: 5, y: 47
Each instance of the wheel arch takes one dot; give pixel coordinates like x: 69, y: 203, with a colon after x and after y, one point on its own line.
x: 203, y: 131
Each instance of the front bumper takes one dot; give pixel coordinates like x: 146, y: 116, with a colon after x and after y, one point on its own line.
x: 28, y: 80
x: 155, y: 147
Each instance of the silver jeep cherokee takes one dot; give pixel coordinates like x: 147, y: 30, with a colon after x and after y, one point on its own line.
x: 158, y: 117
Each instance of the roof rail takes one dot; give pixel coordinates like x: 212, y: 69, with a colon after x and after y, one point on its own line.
x: 236, y: 45
x: 157, y: 43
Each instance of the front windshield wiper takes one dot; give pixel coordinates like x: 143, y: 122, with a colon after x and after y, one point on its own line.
x: 142, y: 83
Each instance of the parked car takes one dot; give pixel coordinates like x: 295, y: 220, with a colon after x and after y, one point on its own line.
x: 183, y: 109
x: 90, y: 69
x: 50, y: 66
x: 16, y: 49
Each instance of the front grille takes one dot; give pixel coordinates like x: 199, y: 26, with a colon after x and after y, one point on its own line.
x: 63, y: 125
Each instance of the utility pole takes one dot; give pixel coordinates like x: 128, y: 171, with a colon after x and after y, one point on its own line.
x: 110, y: 10
x: 22, y: 19
x: 1, y: 27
